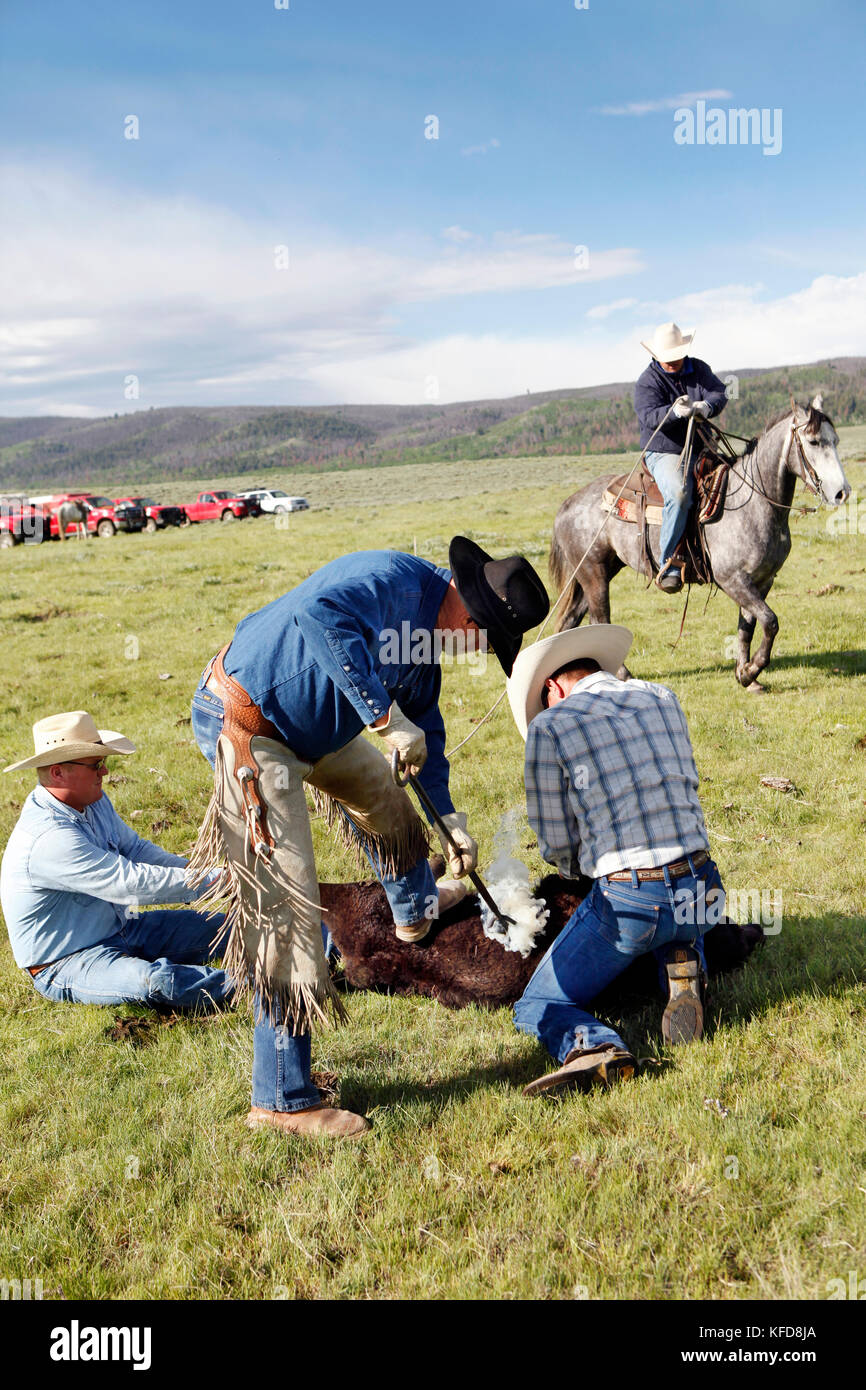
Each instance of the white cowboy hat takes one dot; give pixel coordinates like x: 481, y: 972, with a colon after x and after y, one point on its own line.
x: 668, y: 343
x: 62, y: 738
x: 606, y: 643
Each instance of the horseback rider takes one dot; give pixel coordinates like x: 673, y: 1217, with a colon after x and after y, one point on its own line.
x: 674, y: 388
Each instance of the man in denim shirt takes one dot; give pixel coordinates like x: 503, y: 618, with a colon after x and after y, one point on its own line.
x: 74, y: 875
x: 612, y: 794
x: 283, y: 707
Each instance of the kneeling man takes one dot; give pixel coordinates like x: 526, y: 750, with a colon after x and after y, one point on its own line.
x: 73, y: 875
x: 612, y: 793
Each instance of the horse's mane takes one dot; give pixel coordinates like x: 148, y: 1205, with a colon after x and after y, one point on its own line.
x: 816, y: 417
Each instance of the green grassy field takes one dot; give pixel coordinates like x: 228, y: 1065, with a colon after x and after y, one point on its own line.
x: 739, y: 1170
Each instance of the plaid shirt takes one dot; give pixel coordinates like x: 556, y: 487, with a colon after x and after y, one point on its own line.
x: 611, y: 781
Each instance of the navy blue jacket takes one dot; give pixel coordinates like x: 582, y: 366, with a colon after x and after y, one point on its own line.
x: 326, y: 659
x: 656, y: 390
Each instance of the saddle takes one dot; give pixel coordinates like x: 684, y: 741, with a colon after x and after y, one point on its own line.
x: 635, y: 497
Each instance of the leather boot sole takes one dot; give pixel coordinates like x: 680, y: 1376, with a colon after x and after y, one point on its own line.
x: 683, y: 1018
x: 599, y: 1067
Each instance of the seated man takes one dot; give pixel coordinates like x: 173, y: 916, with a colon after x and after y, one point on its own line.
x: 73, y: 875
x: 611, y: 792
x: 672, y: 389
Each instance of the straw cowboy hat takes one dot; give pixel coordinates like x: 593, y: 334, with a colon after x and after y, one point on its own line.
x: 606, y: 643
x: 669, y: 343
x: 62, y: 738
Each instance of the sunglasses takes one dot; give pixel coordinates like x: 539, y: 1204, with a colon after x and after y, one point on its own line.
x: 101, y: 766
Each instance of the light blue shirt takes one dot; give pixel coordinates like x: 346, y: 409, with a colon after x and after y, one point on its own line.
x: 69, y: 877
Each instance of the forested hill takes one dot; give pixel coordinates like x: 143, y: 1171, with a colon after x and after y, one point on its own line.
x: 147, y: 446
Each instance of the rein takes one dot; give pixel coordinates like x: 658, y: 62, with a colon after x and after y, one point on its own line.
x: 808, y: 475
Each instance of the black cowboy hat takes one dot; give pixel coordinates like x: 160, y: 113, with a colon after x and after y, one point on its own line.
x: 504, y: 597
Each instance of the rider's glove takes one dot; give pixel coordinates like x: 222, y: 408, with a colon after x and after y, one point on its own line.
x: 702, y: 408
x: 682, y: 407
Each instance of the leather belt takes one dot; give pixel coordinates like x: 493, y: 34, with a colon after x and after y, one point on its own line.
x: 677, y: 869
x: 242, y: 722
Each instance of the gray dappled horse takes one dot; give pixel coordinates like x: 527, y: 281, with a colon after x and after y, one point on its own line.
x: 747, y: 545
x: 69, y: 513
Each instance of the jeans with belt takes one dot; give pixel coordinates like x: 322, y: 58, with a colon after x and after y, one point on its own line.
x: 678, y: 493
x: 281, y: 1061
x: 618, y: 921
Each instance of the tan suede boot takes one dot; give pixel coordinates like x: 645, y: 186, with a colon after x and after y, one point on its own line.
x: 451, y: 892
x: 319, y: 1120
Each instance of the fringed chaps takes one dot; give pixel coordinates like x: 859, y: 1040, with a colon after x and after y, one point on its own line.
x: 355, y: 794
x: 272, y: 903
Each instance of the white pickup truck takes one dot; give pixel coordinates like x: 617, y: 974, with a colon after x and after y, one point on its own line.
x: 275, y: 500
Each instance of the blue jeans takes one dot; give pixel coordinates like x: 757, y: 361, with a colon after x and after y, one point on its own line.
x: 281, y: 1062
x: 155, y: 958
x: 617, y: 922
x: 678, y: 493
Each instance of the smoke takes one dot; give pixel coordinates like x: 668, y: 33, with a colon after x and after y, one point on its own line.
x: 508, y: 881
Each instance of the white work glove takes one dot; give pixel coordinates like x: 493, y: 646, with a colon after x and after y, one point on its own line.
x: 682, y: 407
x: 702, y: 408
x: 406, y: 737
x: 458, y: 862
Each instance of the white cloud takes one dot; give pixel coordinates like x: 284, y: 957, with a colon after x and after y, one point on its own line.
x: 603, y: 311
x: 458, y: 234
x: 491, y: 144
x: 97, y: 286
x: 188, y: 297
x: 736, y: 327
x: 646, y: 108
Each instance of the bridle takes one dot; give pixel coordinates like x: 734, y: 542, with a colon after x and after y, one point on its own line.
x: 809, y: 475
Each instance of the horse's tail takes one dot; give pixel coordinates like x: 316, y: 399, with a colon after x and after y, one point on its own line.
x: 565, y: 582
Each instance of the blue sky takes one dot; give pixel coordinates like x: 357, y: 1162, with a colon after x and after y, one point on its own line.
x: 417, y: 268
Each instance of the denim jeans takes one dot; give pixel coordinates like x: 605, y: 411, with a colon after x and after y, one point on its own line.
x: 678, y: 493
x: 155, y: 958
x: 617, y: 922
x: 281, y: 1061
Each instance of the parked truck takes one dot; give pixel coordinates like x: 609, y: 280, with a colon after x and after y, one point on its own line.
x: 21, y: 523
x: 219, y: 506
x: 158, y: 515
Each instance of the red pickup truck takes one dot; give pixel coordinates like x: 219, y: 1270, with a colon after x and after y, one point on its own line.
x: 104, y: 517
x: 219, y: 506
x: 20, y: 522
x: 158, y: 515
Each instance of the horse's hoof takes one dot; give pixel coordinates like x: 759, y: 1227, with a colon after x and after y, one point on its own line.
x: 755, y: 688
